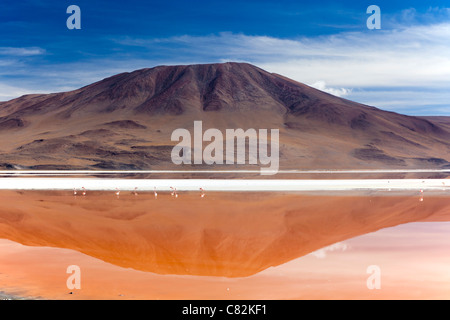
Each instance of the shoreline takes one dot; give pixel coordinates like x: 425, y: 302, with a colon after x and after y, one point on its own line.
x: 230, y: 185
x: 11, y: 296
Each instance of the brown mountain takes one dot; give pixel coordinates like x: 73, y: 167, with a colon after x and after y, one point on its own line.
x: 126, y: 122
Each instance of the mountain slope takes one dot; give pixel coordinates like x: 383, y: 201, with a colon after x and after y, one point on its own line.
x: 126, y: 121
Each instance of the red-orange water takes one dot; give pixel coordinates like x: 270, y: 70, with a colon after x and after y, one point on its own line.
x: 225, y: 245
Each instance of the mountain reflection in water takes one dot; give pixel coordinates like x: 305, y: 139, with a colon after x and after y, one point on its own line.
x: 220, y: 234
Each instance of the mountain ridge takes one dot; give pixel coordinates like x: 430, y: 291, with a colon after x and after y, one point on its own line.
x: 136, y: 112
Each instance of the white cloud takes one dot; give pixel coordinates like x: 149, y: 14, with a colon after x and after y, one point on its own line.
x: 8, y: 92
x: 414, y: 56
x: 419, y: 101
x: 419, y: 56
x: 339, y: 92
x: 322, y: 253
x: 29, y: 51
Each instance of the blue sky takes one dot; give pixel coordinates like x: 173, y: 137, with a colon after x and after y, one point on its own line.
x: 403, y: 67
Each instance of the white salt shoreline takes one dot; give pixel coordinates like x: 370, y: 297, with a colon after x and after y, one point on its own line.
x: 241, y: 185
x: 138, y: 172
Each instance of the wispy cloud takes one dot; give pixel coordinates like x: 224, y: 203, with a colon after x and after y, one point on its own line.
x: 322, y: 253
x: 414, y: 56
x: 10, y: 92
x: 410, y: 16
x: 30, y: 51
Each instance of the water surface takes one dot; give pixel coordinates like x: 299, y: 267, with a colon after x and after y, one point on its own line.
x: 225, y: 245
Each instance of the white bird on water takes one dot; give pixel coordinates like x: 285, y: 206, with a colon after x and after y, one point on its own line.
x: 174, y: 192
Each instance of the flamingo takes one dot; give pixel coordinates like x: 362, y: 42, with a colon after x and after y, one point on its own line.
x: 421, y: 195
x: 117, y: 192
x: 174, y: 192
x: 74, y: 191
x: 84, y: 191
x: 203, y: 193
x: 135, y: 191
x: 156, y: 194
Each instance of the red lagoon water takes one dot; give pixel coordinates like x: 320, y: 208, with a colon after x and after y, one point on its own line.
x: 226, y: 245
